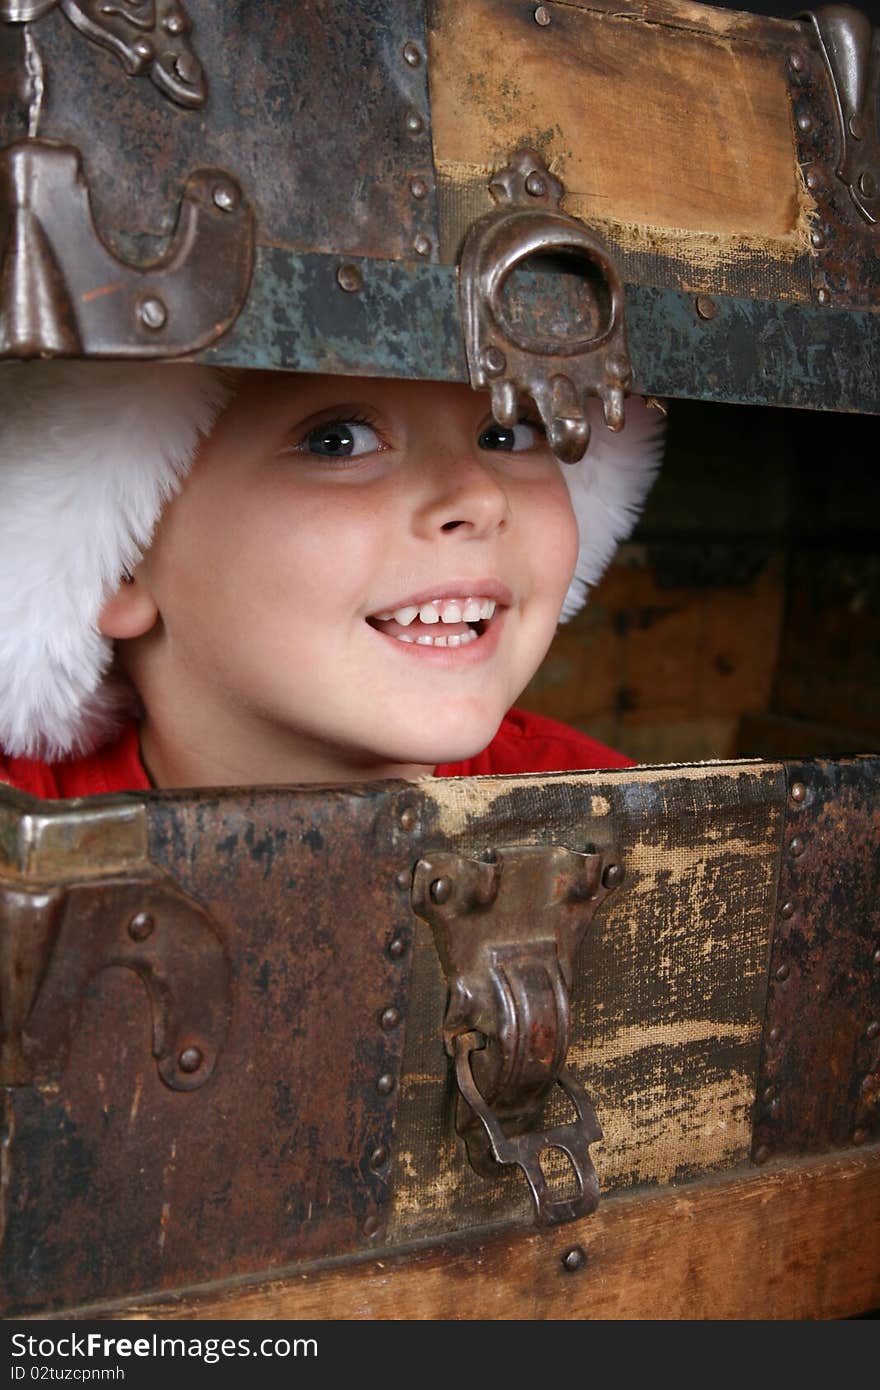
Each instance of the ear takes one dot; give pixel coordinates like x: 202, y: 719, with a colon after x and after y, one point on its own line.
x: 130, y: 612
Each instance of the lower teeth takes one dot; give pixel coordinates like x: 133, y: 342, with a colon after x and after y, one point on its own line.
x: 453, y: 640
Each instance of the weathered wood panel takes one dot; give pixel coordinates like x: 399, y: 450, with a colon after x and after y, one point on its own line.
x: 670, y: 982
x: 670, y: 139
x: 796, y: 1241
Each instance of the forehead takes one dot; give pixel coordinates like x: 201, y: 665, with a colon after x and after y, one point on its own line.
x: 300, y: 394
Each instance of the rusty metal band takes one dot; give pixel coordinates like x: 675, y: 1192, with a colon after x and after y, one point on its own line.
x: 819, y: 1077
x: 402, y: 320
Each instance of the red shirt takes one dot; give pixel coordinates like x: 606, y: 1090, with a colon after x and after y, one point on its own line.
x: 524, y: 743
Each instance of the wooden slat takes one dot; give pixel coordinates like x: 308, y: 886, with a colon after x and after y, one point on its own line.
x: 801, y: 1240
x: 672, y: 138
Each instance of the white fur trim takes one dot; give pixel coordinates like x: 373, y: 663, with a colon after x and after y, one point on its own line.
x: 90, y: 454
x: 608, y: 490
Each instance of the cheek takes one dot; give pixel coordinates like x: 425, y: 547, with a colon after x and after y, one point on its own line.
x: 554, y: 538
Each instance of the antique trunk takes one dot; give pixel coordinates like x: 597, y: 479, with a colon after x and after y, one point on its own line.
x: 705, y: 938
x: 589, y: 1045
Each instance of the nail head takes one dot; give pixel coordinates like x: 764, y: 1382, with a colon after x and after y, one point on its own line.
x: 225, y: 197
x: 408, y: 818
x: 349, y: 278
x: 371, y: 1225
x: 796, y: 62
x: 797, y: 846
x: 187, y: 68
x: 542, y: 16
x: 141, y: 926
x: 798, y: 792
x: 573, y: 1259
x: 418, y: 188
x: 872, y: 1029
x: 494, y: 361
x: 787, y: 910
x: 190, y: 1059
x: 414, y: 123
x: 152, y: 313
x: 397, y: 948
x: 440, y: 890
x: 805, y: 122
x: 706, y: 306
x: 422, y: 244
x: 783, y: 971
x: 774, y: 1035
x: 613, y: 876
x: 412, y: 55
x: 403, y: 880
x: 811, y: 179
x: 379, y: 1157
x: 385, y: 1084
x: 389, y: 1018
x: 762, y: 1154
x: 823, y: 296
x: 535, y: 185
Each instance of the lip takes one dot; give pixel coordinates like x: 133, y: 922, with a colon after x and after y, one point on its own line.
x: 452, y: 588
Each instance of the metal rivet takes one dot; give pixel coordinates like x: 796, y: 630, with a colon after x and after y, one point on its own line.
x: 414, y: 123
x: 774, y: 1108
x: 397, y: 948
x: 798, y: 791
x: 535, y: 185
x: 371, y: 1226
x: 152, y: 313
x: 823, y: 296
x: 811, y: 178
x: 494, y: 361
x: 805, y: 122
x: 817, y: 237
x: 706, y: 306
x: 349, y: 278
x: 868, y: 1082
x: 408, y: 818
x: 872, y: 1029
x: 573, y: 1259
x: 797, y: 846
x: 769, y: 1092
x: 411, y: 55
x: 225, y: 197
x: 859, y: 1136
x: 856, y: 126
x: 389, y: 1018
x: 418, y: 188
x: 868, y: 184
x: 762, y: 1154
x: 144, y: 50
x: 876, y: 957
x: 796, y: 62
x: 379, y: 1157
x: 787, y: 910
x: 404, y: 880
x: 141, y: 926
x: 188, y: 68
x: 385, y: 1084
x: 782, y: 972
x: 190, y: 1059
x: 774, y: 1035
x: 441, y: 890
x: 174, y: 23
x: 542, y: 16
x: 613, y: 875
x: 422, y: 244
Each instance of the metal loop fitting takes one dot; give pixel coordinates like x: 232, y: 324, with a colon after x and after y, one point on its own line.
x: 559, y: 373
x: 850, y: 46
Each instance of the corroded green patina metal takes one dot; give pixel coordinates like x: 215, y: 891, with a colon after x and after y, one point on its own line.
x: 403, y: 321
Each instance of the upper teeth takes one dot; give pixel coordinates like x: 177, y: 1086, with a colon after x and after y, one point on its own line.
x: 439, y: 610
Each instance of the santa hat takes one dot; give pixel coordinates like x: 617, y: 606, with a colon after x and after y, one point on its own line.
x: 90, y: 454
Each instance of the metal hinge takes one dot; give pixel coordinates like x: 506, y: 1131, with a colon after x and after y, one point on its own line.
x: 507, y: 929
x: 54, y: 939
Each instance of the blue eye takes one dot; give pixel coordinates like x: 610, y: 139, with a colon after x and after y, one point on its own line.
x: 509, y: 439
x: 342, y: 439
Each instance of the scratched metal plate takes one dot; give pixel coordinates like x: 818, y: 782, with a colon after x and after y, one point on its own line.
x: 112, y: 1182
x: 309, y: 107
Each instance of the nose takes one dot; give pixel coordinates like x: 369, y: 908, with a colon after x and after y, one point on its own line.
x: 464, y: 497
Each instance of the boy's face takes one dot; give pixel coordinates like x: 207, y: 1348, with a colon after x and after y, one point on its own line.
x: 331, y: 531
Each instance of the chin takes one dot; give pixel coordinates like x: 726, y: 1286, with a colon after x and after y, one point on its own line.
x: 448, y: 746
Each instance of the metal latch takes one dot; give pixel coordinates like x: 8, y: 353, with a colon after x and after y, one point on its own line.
x: 851, y: 49
x: 507, y: 930
x: 558, y: 370
x: 55, y: 939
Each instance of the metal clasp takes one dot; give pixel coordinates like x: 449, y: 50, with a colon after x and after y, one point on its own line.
x: 851, y: 49
x: 559, y: 372
x: 507, y: 930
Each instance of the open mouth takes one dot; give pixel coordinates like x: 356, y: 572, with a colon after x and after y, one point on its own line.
x: 438, y: 622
